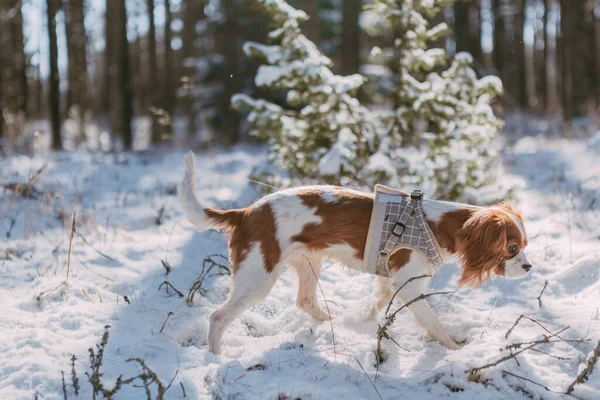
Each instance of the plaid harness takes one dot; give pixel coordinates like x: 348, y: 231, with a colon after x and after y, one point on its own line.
x: 397, y: 222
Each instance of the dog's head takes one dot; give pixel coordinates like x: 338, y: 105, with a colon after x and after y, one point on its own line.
x: 492, y: 242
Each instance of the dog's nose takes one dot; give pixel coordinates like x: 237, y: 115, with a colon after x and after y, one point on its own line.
x: 527, y: 267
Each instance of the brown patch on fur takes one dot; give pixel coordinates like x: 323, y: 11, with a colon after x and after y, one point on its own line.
x: 482, y: 244
x: 345, y: 221
x: 225, y: 219
x: 246, y: 227
x: 399, y: 259
x: 446, y: 228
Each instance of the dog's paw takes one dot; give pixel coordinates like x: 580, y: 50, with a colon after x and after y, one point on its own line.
x: 444, y: 341
x: 452, y: 345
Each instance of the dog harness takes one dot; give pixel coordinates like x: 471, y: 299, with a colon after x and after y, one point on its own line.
x: 398, y: 222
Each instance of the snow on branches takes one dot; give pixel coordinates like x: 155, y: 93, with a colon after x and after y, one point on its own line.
x: 437, y: 134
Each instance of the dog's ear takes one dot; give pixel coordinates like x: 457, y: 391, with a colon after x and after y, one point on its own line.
x: 481, y: 245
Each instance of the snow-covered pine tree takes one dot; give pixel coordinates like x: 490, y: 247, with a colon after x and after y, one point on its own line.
x: 322, y: 131
x: 447, y: 114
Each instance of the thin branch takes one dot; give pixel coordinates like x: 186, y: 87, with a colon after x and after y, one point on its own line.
x: 529, y: 380
x: 539, y: 298
x: 508, y: 332
x: 529, y: 319
x: 389, y: 320
x: 97, y: 251
x: 514, y: 355
x: 585, y: 373
x: 418, y: 298
x: 401, y: 287
x: 551, y: 355
x: 369, y: 378
x: 518, y: 345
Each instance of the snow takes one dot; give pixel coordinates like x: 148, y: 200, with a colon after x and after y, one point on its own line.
x: 117, y: 198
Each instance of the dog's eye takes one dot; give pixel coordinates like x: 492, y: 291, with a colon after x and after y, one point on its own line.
x: 512, y: 249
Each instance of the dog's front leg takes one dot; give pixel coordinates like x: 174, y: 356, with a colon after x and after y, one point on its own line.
x: 420, y: 309
x: 429, y: 320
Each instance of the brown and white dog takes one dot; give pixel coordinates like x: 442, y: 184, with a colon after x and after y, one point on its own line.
x: 300, y: 227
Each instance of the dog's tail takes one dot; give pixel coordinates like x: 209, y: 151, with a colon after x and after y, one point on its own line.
x: 202, y: 218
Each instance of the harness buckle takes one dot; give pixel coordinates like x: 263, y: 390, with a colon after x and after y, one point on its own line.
x: 398, y: 232
x: 417, y: 194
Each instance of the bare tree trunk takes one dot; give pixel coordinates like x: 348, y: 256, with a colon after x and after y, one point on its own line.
x: 312, y: 27
x: 108, y: 72
x: 168, y: 98
x: 521, y: 56
x: 120, y: 77
x: 475, y: 30
x: 54, y: 93
x: 351, y: 37
x: 566, y: 54
x: 193, y: 12
x: 594, y: 57
x: 461, y: 26
x: 231, y: 121
x: 579, y: 61
x: 499, y: 39
x: 545, y: 60
x: 15, y: 62
x: 153, y: 67
x: 77, y: 61
x: 2, y: 68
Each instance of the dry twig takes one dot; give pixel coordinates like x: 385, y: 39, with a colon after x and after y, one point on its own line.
x: 390, y: 318
x: 207, y: 266
x: 539, y: 298
x: 511, y: 356
x: 529, y: 380
x: 93, y: 248
x: 73, y: 231
x: 586, y: 372
x: 369, y: 378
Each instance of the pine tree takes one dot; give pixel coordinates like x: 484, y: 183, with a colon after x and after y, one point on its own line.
x: 446, y: 114
x: 322, y: 131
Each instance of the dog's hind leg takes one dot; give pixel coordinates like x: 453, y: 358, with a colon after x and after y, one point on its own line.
x: 251, y: 284
x: 308, y: 268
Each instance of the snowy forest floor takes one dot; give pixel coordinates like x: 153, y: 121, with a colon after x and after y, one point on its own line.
x: 50, y: 311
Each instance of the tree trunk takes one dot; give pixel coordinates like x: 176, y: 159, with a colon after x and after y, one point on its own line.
x: 350, y: 37
x: 231, y: 121
x: 461, y: 26
x: 579, y: 61
x: 475, y: 30
x: 545, y: 89
x: 168, y: 98
x: 566, y: 54
x: 193, y: 12
x: 54, y: 93
x: 15, y: 62
x: 77, y: 60
x: 312, y: 27
x: 153, y: 68
x: 499, y: 39
x: 2, y: 68
x: 120, y: 77
x: 594, y: 57
x: 521, y: 56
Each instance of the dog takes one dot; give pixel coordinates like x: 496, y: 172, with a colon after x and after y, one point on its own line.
x: 300, y: 227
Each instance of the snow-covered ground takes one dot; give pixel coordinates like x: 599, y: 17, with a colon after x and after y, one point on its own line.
x: 274, y: 350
